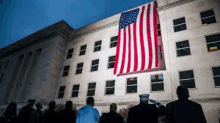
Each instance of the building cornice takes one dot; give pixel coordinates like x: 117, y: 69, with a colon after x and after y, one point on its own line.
x: 171, y: 5
x: 78, y: 35
x: 61, y: 28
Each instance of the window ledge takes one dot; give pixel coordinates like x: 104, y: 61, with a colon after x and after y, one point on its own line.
x: 162, y: 91
x: 109, y: 95
x: 131, y: 93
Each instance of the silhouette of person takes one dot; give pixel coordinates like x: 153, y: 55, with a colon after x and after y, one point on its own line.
x: 143, y: 112
x: 37, y: 115
x: 10, y: 114
x: 112, y: 116
x: 88, y: 114
x: 67, y: 115
x: 51, y: 116
x: 184, y: 110
x: 25, y: 111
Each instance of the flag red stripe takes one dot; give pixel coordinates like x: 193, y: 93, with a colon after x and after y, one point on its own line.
x: 155, y: 32
x: 117, y: 52
x: 129, y: 49
x: 135, y: 47
x: 149, y: 37
x: 142, y: 38
x: 124, y: 52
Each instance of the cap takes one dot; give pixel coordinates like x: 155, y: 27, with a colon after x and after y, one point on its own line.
x: 144, y: 96
x: 31, y: 100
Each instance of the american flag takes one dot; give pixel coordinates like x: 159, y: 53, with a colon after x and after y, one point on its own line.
x: 137, y: 46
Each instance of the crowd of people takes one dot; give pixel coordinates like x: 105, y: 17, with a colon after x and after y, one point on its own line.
x: 182, y: 110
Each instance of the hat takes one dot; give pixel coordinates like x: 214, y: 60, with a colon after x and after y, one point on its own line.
x: 144, y: 96
x: 31, y: 100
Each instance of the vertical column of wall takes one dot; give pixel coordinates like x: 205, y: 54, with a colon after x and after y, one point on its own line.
x: 27, y: 85
x: 27, y: 66
x: 22, y: 76
x: 14, y: 76
x: 13, y: 93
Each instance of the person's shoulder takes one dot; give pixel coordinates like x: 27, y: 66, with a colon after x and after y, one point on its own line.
x: 172, y: 103
x: 194, y: 103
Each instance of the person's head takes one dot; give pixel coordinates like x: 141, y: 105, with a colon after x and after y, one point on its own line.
x: 52, y: 105
x: 12, y: 108
x: 113, y: 107
x: 90, y: 101
x: 31, y: 102
x: 182, y: 92
x: 39, y: 106
x: 144, y: 98
x: 69, y: 104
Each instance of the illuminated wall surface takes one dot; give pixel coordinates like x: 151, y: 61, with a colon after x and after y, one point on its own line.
x: 60, y: 63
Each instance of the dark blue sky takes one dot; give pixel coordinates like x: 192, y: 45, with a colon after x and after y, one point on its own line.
x: 20, y: 18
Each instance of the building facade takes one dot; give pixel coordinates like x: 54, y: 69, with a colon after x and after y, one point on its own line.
x: 60, y: 63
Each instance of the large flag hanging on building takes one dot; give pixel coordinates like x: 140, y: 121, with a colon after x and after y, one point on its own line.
x: 137, y: 46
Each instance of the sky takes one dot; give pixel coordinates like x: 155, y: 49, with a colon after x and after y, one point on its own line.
x: 20, y: 18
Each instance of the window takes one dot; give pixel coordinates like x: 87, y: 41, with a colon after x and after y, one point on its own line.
x: 160, y: 52
x: 79, y: 68
x: 158, y: 30
x: 216, y: 73
x: 157, y: 82
x: 207, y: 17
x: 132, y: 85
x: 1, y: 77
x: 75, y: 91
x: 187, y: 79
x: 110, y: 87
x: 113, y: 41
x: 179, y: 24
x: 66, y: 70
x: 91, y: 89
x: 183, y: 48
x: 111, y: 62
x: 70, y: 53
x: 61, y: 92
x: 213, y: 42
x: 83, y: 50
x: 97, y: 46
x: 95, y: 65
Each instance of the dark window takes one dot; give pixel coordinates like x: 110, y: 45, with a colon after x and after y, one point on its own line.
x: 83, y: 50
x: 216, y: 73
x: 213, y: 42
x: 187, y: 79
x: 132, y: 85
x: 111, y: 62
x: 1, y: 77
x: 183, y: 48
x: 79, y: 68
x: 6, y: 65
x: 97, y: 46
x: 160, y: 52
x: 61, y: 92
x: 158, y: 30
x: 157, y: 82
x: 179, y: 24
x: 91, y: 89
x: 207, y: 17
x: 110, y: 87
x: 66, y: 70
x: 75, y: 91
x: 95, y: 65
x: 70, y: 53
x: 113, y: 41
